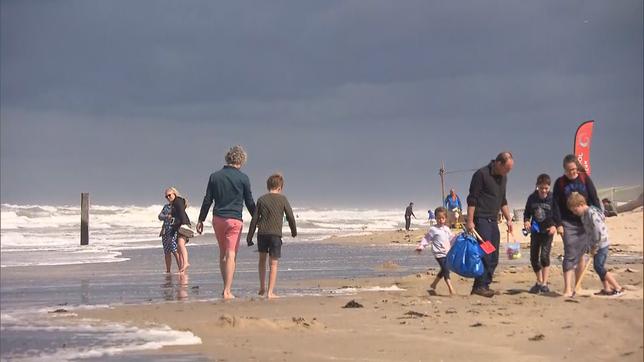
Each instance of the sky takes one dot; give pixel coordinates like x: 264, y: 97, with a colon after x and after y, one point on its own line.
x: 357, y: 103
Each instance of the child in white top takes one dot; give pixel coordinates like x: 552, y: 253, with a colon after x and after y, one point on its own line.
x: 440, y: 236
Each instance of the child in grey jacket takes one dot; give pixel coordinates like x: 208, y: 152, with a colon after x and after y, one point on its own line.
x: 595, y: 226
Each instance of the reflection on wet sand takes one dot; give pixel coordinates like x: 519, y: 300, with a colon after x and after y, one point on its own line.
x: 182, y: 289
x: 176, y: 289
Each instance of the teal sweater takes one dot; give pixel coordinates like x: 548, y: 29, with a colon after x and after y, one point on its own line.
x: 229, y: 188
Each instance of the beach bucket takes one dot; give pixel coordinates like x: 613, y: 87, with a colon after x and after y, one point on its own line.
x: 518, y: 214
x: 513, y: 250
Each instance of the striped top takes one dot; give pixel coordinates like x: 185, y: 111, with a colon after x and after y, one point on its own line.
x: 268, y: 216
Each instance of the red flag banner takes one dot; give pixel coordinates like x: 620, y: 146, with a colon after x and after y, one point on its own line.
x: 582, y: 144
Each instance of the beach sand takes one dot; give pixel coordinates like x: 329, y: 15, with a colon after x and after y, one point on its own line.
x: 405, y: 323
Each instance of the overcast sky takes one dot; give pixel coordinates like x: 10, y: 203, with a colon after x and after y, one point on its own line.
x: 356, y: 102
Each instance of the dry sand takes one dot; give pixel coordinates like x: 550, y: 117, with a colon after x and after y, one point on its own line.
x: 410, y: 325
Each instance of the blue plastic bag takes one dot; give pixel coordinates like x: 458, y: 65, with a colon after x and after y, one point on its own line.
x: 465, y: 257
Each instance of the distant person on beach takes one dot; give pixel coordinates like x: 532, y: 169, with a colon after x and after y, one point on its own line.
x: 569, y: 225
x: 609, y: 208
x: 594, y: 223
x: 486, y: 198
x: 229, y: 188
x: 431, y: 217
x: 454, y: 208
x: 440, y: 237
x: 409, y: 212
x: 268, y: 218
x: 168, y: 234
x: 178, y: 218
x: 537, y: 220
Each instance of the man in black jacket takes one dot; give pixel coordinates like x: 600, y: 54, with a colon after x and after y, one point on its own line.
x: 486, y: 198
x: 409, y: 212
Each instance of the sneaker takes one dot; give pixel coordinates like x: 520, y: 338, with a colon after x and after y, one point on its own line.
x: 617, y: 293
x: 545, y: 289
x: 536, y: 288
x: 483, y: 292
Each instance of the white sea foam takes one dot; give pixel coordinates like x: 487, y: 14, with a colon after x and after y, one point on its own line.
x: 50, y: 235
x: 126, y: 338
x: 354, y: 290
x: 84, y: 338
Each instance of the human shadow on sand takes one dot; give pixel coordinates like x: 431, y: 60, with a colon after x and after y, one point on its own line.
x: 550, y: 294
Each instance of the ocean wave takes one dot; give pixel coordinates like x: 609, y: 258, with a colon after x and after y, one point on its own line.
x: 49, y: 227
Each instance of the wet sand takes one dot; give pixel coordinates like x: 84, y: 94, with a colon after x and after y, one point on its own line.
x: 405, y: 323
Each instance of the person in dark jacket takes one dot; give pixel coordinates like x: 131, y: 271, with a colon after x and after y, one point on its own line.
x: 168, y: 235
x: 537, y: 220
x: 409, y: 212
x: 485, y: 200
x: 229, y: 188
x: 569, y: 226
x: 179, y: 217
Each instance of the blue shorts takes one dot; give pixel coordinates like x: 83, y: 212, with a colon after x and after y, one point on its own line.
x: 598, y: 262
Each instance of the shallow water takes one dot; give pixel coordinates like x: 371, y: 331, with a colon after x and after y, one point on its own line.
x: 29, y: 294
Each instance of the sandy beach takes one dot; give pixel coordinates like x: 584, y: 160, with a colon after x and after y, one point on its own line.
x: 395, y: 319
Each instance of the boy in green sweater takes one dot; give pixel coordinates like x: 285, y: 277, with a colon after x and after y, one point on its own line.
x: 268, y: 218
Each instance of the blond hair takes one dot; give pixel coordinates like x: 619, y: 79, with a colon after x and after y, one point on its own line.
x: 176, y: 193
x: 236, y: 156
x: 576, y: 199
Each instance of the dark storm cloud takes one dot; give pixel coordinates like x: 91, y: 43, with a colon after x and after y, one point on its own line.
x: 124, y: 56
x: 391, y: 86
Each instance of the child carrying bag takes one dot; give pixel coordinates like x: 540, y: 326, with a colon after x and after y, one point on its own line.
x: 465, y: 257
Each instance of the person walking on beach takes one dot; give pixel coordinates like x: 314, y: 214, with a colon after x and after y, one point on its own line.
x: 486, y: 198
x: 440, y: 236
x: 409, y: 212
x: 179, y: 217
x: 268, y: 218
x: 537, y: 220
x: 594, y: 223
x: 229, y: 188
x: 168, y: 234
x: 569, y: 225
x: 454, y: 208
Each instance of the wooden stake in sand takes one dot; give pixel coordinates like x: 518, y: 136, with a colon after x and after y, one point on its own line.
x: 84, y: 218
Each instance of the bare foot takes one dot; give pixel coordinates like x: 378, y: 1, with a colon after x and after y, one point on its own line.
x: 227, y: 296
x: 261, y: 292
x: 568, y: 294
x: 184, y: 268
x: 272, y: 296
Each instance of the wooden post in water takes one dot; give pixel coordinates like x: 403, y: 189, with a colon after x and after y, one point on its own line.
x: 442, y: 173
x: 84, y: 218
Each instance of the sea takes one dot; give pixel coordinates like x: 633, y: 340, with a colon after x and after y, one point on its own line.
x: 46, y: 277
